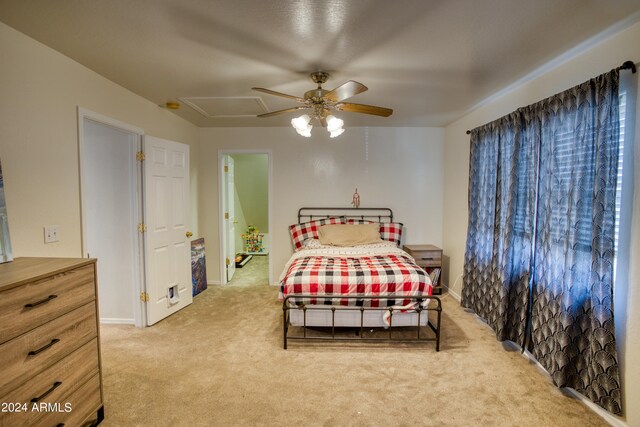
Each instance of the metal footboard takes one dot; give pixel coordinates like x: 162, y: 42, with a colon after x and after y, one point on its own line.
x: 287, y: 306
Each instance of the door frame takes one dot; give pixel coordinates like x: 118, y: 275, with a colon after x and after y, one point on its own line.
x: 139, y: 309
x: 221, y: 193
x: 228, y: 239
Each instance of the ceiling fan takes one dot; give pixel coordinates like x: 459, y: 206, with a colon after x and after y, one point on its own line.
x: 321, y: 102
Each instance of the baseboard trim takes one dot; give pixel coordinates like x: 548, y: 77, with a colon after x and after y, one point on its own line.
x: 116, y: 321
x: 213, y: 282
x: 608, y: 417
x: 453, y: 294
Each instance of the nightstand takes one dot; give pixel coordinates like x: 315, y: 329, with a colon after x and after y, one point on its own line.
x: 428, y: 257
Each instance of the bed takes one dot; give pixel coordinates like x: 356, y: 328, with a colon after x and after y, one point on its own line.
x: 368, y: 291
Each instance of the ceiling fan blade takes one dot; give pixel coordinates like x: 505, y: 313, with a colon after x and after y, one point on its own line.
x: 273, y: 92
x: 287, y: 110
x: 365, y: 109
x: 345, y: 91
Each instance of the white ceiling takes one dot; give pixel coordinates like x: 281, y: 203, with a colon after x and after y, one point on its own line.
x: 428, y: 60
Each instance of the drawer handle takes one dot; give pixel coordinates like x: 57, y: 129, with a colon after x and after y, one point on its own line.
x: 428, y: 259
x: 41, y: 349
x: 42, y: 301
x: 46, y: 393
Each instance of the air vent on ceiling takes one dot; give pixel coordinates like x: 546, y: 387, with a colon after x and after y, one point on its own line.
x: 218, y: 106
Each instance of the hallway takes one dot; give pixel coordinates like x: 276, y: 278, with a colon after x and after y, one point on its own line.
x: 255, y: 272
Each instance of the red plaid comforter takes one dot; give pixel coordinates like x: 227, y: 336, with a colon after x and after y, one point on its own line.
x: 386, y: 271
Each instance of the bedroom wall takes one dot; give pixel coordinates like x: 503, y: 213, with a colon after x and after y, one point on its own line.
x: 587, y: 61
x: 400, y: 168
x: 41, y: 89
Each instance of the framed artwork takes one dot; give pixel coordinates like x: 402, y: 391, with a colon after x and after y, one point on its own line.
x: 198, y: 266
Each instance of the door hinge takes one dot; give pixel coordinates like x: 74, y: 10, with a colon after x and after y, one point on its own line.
x: 226, y: 168
x: 226, y: 215
x: 140, y: 156
x: 144, y: 297
x: 142, y: 228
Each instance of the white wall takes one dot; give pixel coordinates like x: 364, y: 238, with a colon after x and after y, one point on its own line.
x: 400, y: 168
x: 597, y: 59
x: 41, y: 90
x: 631, y: 324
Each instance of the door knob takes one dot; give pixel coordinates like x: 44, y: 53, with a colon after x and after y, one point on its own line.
x: 189, y: 234
x: 235, y: 222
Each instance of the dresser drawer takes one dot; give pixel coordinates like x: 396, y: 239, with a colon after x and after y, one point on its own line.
x: 77, y: 408
x: 33, y: 352
x: 25, y: 307
x: 51, y: 385
x: 428, y: 258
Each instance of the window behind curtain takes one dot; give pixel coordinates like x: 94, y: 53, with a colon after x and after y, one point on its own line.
x: 623, y: 115
x: 565, y: 143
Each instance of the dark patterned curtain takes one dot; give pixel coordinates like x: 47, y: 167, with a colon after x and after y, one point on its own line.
x: 498, y: 251
x: 572, y: 307
x: 540, y: 244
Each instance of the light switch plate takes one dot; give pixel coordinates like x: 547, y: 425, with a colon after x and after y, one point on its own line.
x: 50, y: 233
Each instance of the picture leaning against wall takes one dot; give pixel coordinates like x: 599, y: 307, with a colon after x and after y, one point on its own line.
x: 5, y: 241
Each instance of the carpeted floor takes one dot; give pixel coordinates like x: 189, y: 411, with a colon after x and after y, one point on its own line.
x: 220, y: 362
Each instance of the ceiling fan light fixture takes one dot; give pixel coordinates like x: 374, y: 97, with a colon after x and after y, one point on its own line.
x: 306, y: 132
x: 321, y: 102
x: 301, y: 123
x: 334, y: 123
x: 336, y: 132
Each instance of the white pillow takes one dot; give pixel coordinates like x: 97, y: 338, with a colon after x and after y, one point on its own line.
x: 311, y: 244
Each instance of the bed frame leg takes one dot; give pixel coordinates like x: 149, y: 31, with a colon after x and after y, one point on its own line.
x: 439, y: 310
x: 284, y: 323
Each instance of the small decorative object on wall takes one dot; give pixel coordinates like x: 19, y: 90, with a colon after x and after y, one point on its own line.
x: 6, y: 253
x: 356, y: 199
x: 253, y: 240
x: 198, y: 266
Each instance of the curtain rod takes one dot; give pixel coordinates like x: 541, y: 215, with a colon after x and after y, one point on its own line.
x: 626, y: 65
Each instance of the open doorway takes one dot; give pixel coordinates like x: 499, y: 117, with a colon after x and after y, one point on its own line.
x: 245, y: 211
x: 110, y: 214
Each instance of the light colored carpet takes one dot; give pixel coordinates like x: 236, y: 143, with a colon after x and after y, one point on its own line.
x: 220, y: 362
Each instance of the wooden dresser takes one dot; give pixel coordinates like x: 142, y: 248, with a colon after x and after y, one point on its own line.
x: 428, y: 257
x: 50, y: 372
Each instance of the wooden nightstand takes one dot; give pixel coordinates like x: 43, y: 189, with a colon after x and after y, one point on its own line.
x: 428, y: 257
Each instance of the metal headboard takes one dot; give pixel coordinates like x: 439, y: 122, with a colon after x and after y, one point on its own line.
x: 371, y: 214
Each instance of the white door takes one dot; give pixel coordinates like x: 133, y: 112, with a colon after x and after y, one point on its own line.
x: 230, y: 217
x: 166, y: 213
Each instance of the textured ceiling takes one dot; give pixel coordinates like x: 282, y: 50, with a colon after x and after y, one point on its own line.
x: 429, y: 60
